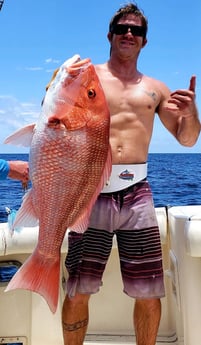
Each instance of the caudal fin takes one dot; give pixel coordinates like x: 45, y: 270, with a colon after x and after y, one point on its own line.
x: 41, y: 275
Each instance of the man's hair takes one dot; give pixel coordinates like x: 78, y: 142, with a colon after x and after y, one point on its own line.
x: 129, y: 8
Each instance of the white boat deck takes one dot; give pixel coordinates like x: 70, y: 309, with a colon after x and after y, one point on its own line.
x: 26, y: 319
x: 97, y: 340
x: 125, y: 339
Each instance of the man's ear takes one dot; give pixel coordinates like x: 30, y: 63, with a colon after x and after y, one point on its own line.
x: 109, y: 36
x: 144, y: 42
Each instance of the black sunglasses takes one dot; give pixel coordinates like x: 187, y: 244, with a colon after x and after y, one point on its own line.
x: 122, y: 29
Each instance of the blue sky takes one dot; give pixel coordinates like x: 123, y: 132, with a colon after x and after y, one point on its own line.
x: 38, y: 35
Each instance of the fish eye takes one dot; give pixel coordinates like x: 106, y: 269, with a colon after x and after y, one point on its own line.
x: 91, y: 93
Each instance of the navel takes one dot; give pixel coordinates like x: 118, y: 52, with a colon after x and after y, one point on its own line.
x: 119, y: 153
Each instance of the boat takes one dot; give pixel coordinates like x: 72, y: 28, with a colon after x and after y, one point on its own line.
x: 27, y: 320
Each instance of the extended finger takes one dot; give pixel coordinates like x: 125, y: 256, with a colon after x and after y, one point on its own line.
x: 192, y: 83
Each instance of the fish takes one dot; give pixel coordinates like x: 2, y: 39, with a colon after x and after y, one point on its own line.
x: 69, y: 162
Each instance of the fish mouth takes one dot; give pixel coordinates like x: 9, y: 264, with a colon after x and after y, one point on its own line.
x: 70, y: 100
x: 75, y: 67
x: 74, y: 70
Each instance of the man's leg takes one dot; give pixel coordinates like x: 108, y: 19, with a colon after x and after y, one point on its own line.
x: 147, y: 314
x: 75, y: 316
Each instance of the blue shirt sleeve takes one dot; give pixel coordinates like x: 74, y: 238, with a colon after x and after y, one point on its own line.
x: 4, y: 169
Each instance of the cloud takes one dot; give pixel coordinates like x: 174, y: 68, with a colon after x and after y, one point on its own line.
x: 51, y: 60
x: 48, y: 61
x: 50, y: 70
x: 33, y: 68
x: 15, y: 114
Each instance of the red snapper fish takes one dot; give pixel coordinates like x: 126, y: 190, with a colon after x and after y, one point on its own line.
x: 70, y: 161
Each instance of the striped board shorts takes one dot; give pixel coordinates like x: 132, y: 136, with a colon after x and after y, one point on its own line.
x: 130, y: 215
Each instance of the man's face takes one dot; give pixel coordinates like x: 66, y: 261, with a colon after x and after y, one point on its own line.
x: 128, y: 36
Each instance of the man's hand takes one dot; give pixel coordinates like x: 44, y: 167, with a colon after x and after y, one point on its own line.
x: 184, y: 101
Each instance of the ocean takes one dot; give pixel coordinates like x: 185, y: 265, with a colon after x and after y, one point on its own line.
x: 175, y: 180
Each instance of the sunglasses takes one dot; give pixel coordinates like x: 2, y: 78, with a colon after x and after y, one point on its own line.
x: 122, y: 29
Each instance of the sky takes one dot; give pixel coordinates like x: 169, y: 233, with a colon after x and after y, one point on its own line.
x: 37, y: 36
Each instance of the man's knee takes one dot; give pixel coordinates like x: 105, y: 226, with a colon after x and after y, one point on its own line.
x: 148, y: 303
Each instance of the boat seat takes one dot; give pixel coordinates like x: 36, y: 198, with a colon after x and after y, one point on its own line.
x: 25, y: 240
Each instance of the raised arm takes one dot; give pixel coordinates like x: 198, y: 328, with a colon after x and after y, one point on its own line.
x: 179, y: 114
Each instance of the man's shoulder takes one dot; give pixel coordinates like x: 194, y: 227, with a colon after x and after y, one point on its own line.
x: 101, y: 70
x: 101, y: 66
x: 156, y: 83
x: 151, y: 79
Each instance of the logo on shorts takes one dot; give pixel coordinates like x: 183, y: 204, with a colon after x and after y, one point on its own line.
x: 126, y: 175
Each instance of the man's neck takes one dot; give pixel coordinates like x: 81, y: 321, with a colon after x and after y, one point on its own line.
x: 123, y: 69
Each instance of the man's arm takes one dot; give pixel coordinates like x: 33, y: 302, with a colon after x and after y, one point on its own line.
x: 179, y: 114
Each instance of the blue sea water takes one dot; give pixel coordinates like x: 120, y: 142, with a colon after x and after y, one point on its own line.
x: 175, y: 180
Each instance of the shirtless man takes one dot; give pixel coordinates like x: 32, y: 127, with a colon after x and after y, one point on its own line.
x: 127, y: 212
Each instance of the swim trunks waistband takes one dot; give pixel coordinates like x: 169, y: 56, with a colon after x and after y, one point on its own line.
x: 124, y: 176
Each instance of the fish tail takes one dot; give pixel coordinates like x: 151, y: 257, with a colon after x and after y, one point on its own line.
x: 39, y: 274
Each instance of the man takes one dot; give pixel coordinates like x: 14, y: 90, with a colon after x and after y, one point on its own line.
x: 17, y: 170
x: 127, y: 210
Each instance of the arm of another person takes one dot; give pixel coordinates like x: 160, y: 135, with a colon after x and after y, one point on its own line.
x: 4, y: 169
x: 18, y: 170
x: 179, y: 114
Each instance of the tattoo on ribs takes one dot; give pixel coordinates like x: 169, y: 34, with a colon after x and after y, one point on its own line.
x: 75, y: 326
